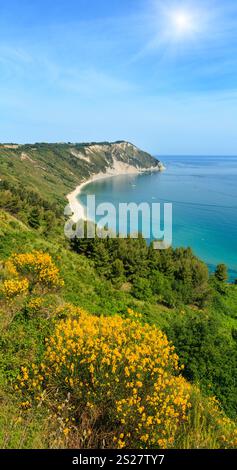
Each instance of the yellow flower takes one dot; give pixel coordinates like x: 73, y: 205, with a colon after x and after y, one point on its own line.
x: 35, y: 304
x: 116, y: 366
x: 38, y: 266
x: 15, y: 287
x: 139, y: 384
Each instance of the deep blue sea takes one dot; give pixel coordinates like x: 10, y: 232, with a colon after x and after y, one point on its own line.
x: 203, y: 191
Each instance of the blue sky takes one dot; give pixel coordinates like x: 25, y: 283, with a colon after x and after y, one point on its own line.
x: 94, y: 70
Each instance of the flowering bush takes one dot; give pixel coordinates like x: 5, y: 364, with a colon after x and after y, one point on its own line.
x: 122, y: 375
x: 14, y: 287
x: 39, y: 267
x: 10, y: 269
x: 35, y: 304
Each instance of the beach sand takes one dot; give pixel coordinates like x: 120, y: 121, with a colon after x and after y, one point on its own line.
x: 119, y: 169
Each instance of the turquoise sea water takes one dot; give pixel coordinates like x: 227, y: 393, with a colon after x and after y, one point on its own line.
x: 203, y: 191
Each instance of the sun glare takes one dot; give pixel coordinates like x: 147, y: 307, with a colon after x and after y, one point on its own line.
x: 182, y: 22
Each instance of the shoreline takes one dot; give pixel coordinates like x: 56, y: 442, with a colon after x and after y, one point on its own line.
x: 78, y: 209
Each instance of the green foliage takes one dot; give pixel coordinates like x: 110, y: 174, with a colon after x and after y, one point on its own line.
x: 221, y: 273
x: 117, y: 272
x: 34, y: 218
x: 54, y: 170
x: 173, y: 276
x: 207, y: 426
x: 162, y: 288
x: 205, y: 347
x: 141, y: 289
x: 208, y: 353
x: 30, y: 207
x: 170, y: 288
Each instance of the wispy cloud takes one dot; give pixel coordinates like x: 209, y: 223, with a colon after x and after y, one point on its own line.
x: 30, y: 65
x: 114, y: 69
x: 92, y: 82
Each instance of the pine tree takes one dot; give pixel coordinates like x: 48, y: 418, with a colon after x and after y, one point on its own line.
x: 221, y: 273
x: 117, y: 271
x: 101, y: 257
x: 34, y: 218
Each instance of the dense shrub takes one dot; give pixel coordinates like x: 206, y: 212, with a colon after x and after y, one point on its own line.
x: 116, y: 375
x: 175, y: 275
x: 79, y: 385
x: 221, y: 273
x: 208, y: 353
x: 12, y: 288
x: 142, y: 289
x: 29, y: 206
x: 38, y: 267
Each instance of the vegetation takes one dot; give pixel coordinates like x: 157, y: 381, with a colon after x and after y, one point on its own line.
x: 51, y: 171
x: 168, y: 276
x: 78, y: 368
x: 221, y: 273
x: 117, y: 375
x: 65, y: 366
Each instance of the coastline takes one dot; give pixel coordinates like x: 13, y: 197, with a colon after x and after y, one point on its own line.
x: 78, y: 209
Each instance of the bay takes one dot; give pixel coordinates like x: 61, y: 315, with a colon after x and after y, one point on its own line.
x: 203, y: 191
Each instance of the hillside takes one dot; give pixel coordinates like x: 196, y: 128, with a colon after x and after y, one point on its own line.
x: 134, y: 307
x: 54, y: 170
x: 203, y: 338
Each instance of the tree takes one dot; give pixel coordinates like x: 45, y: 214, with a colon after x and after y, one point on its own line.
x: 161, y: 287
x: 221, y: 273
x: 208, y: 353
x: 50, y: 221
x: 101, y: 258
x: 142, y: 289
x: 117, y: 271
x: 34, y: 218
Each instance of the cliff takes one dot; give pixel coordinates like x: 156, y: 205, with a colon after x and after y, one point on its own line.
x: 53, y: 170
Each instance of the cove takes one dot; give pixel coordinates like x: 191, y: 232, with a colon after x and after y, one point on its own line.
x: 203, y: 191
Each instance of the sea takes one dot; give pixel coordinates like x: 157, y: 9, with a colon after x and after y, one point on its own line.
x: 203, y: 193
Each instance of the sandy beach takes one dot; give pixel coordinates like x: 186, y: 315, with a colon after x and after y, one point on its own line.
x: 76, y: 207
x: 119, y: 169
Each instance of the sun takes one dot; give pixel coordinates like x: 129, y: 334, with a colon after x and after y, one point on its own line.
x: 182, y: 23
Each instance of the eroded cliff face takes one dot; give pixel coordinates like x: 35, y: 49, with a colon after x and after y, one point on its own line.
x: 117, y: 157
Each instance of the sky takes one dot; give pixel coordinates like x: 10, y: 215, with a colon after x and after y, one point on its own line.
x: 159, y: 73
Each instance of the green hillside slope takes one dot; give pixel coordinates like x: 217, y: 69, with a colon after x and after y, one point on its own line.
x: 47, y: 283
x: 53, y: 170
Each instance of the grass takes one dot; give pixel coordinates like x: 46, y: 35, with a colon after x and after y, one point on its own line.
x: 52, y: 171
x: 22, y: 339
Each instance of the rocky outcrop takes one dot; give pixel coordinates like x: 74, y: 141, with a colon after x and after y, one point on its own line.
x: 116, y: 158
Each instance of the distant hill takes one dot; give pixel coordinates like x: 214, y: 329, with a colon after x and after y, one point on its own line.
x: 53, y: 170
